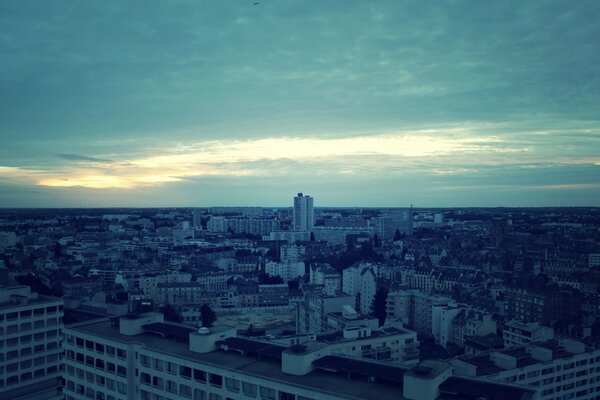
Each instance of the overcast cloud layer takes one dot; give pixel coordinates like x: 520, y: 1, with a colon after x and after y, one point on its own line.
x: 374, y: 103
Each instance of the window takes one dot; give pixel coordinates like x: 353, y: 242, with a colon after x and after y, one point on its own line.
x: 122, y: 354
x: 171, y: 368
x: 286, y: 396
x: 185, y: 372
x: 233, y: 385
x: 199, y: 394
x: 25, y: 314
x: 157, y: 364
x: 213, y: 396
x: 144, y: 360
x: 249, y: 389
x: 145, y: 378
x: 171, y: 387
x: 215, y: 380
x: 267, y: 393
x: 122, y: 371
x: 100, y: 348
x: 157, y: 382
x: 110, y: 351
x: 185, y: 391
x: 199, y: 375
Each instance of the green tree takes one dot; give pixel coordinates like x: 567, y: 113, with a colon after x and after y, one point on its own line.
x: 378, y: 306
x: 208, y: 315
x: 171, y: 313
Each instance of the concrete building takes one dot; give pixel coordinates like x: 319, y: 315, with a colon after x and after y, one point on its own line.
x: 286, y: 270
x: 30, y: 344
x: 516, y: 333
x: 142, y: 357
x: 360, y: 281
x: 312, y: 311
x: 217, y: 224
x: 304, y: 216
x: 558, y: 369
x: 292, y: 253
x: 326, y: 276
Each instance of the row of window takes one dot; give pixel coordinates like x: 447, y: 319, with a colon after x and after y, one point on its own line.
x: 25, y: 339
x: 97, y: 379
x: 91, y: 393
x: 27, y: 326
x: 216, y: 380
x: 27, y: 376
x: 97, y: 363
x: 26, y: 352
x: 96, y: 347
x: 36, y: 312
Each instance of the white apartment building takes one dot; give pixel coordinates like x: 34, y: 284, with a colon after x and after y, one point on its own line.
x: 144, y: 358
x: 361, y: 279
x: 217, y: 224
x: 326, y: 276
x: 30, y: 344
x: 304, y: 216
x: 561, y: 370
x: 286, y: 270
x: 516, y: 333
x: 292, y: 253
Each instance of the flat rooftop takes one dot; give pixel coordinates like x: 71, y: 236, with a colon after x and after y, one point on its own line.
x: 319, y: 380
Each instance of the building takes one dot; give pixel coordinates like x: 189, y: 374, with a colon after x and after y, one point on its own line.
x: 30, y: 344
x: 559, y: 369
x: 594, y: 260
x: 217, y: 224
x: 292, y: 253
x: 312, y: 311
x: 360, y: 281
x: 517, y: 333
x: 324, y: 275
x: 542, y: 304
x: 286, y: 270
x: 304, y: 216
x: 142, y: 357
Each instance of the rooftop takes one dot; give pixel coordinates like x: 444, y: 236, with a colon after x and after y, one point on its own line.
x: 265, y: 368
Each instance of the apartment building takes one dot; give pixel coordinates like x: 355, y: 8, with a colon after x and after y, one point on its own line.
x: 30, y: 344
x: 561, y: 370
x: 142, y: 357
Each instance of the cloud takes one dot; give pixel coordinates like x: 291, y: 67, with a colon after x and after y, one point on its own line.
x: 78, y: 157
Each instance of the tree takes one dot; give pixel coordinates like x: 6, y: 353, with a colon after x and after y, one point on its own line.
x: 266, y: 279
x: 378, y: 306
x: 208, y: 315
x: 171, y: 313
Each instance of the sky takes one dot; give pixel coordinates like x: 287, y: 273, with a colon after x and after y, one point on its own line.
x: 357, y: 103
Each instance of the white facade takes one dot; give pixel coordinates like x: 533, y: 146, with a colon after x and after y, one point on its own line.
x: 287, y: 271
x: 304, y: 216
x: 30, y: 344
x: 516, y: 333
x: 361, y: 280
x: 561, y: 370
x: 217, y: 224
x: 106, y: 362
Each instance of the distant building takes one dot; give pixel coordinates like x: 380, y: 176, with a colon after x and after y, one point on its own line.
x: 304, y: 216
x: 516, y: 333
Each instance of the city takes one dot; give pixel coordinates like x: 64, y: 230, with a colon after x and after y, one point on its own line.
x: 300, y: 302
x: 299, y: 200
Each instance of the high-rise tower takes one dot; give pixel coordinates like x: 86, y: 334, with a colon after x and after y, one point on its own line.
x: 304, y: 216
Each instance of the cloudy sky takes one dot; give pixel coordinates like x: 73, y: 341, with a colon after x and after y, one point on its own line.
x: 358, y: 103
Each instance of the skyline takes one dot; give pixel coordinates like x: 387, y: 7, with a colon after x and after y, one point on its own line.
x: 185, y: 104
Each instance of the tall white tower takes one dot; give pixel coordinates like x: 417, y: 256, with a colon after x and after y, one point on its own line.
x: 304, y: 216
